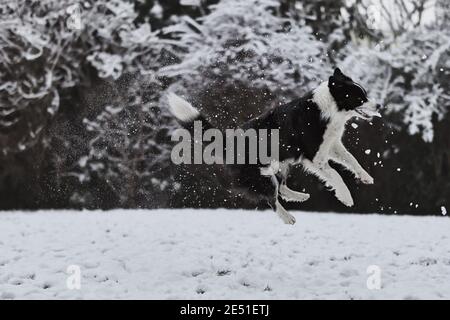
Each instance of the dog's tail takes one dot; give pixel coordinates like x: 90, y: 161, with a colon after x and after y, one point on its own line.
x: 185, y: 113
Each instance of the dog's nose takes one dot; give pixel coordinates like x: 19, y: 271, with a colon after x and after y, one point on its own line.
x: 378, y: 106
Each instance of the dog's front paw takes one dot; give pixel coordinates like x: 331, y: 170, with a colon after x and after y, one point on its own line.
x: 345, y: 197
x: 365, y: 178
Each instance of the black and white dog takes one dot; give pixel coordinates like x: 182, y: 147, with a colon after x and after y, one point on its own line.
x: 310, y: 132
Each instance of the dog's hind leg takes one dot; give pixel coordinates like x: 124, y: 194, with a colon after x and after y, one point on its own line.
x: 271, y: 194
x: 284, y: 191
x: 291, y: 195
x: 281, y: 212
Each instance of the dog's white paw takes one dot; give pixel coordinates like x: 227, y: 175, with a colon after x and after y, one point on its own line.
x: 284, y: 215
x: 287, y: 218
x: 365, y: 178
x: 345, y: 197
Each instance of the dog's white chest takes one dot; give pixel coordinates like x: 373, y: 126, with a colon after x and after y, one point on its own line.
x: 333, y: 133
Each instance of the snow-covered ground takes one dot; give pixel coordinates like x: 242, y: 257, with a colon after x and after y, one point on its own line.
x: 221, y: 254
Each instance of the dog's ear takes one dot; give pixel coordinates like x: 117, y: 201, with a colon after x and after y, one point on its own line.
x: 337, y: 72
x: 335, y: 81
x: 331, y: 81
x: 339, y: 78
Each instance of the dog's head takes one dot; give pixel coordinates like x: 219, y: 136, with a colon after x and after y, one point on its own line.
x: 351, y: 97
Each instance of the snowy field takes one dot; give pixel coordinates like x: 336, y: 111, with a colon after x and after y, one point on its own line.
x: 222, y: 254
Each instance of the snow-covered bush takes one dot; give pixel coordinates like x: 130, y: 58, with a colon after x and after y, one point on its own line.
x: 247, y: 42
x: 49, y: 45
x: 409, y: 74
x: 129, y: 147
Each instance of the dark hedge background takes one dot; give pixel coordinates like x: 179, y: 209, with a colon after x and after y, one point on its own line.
x: 56, y: 168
